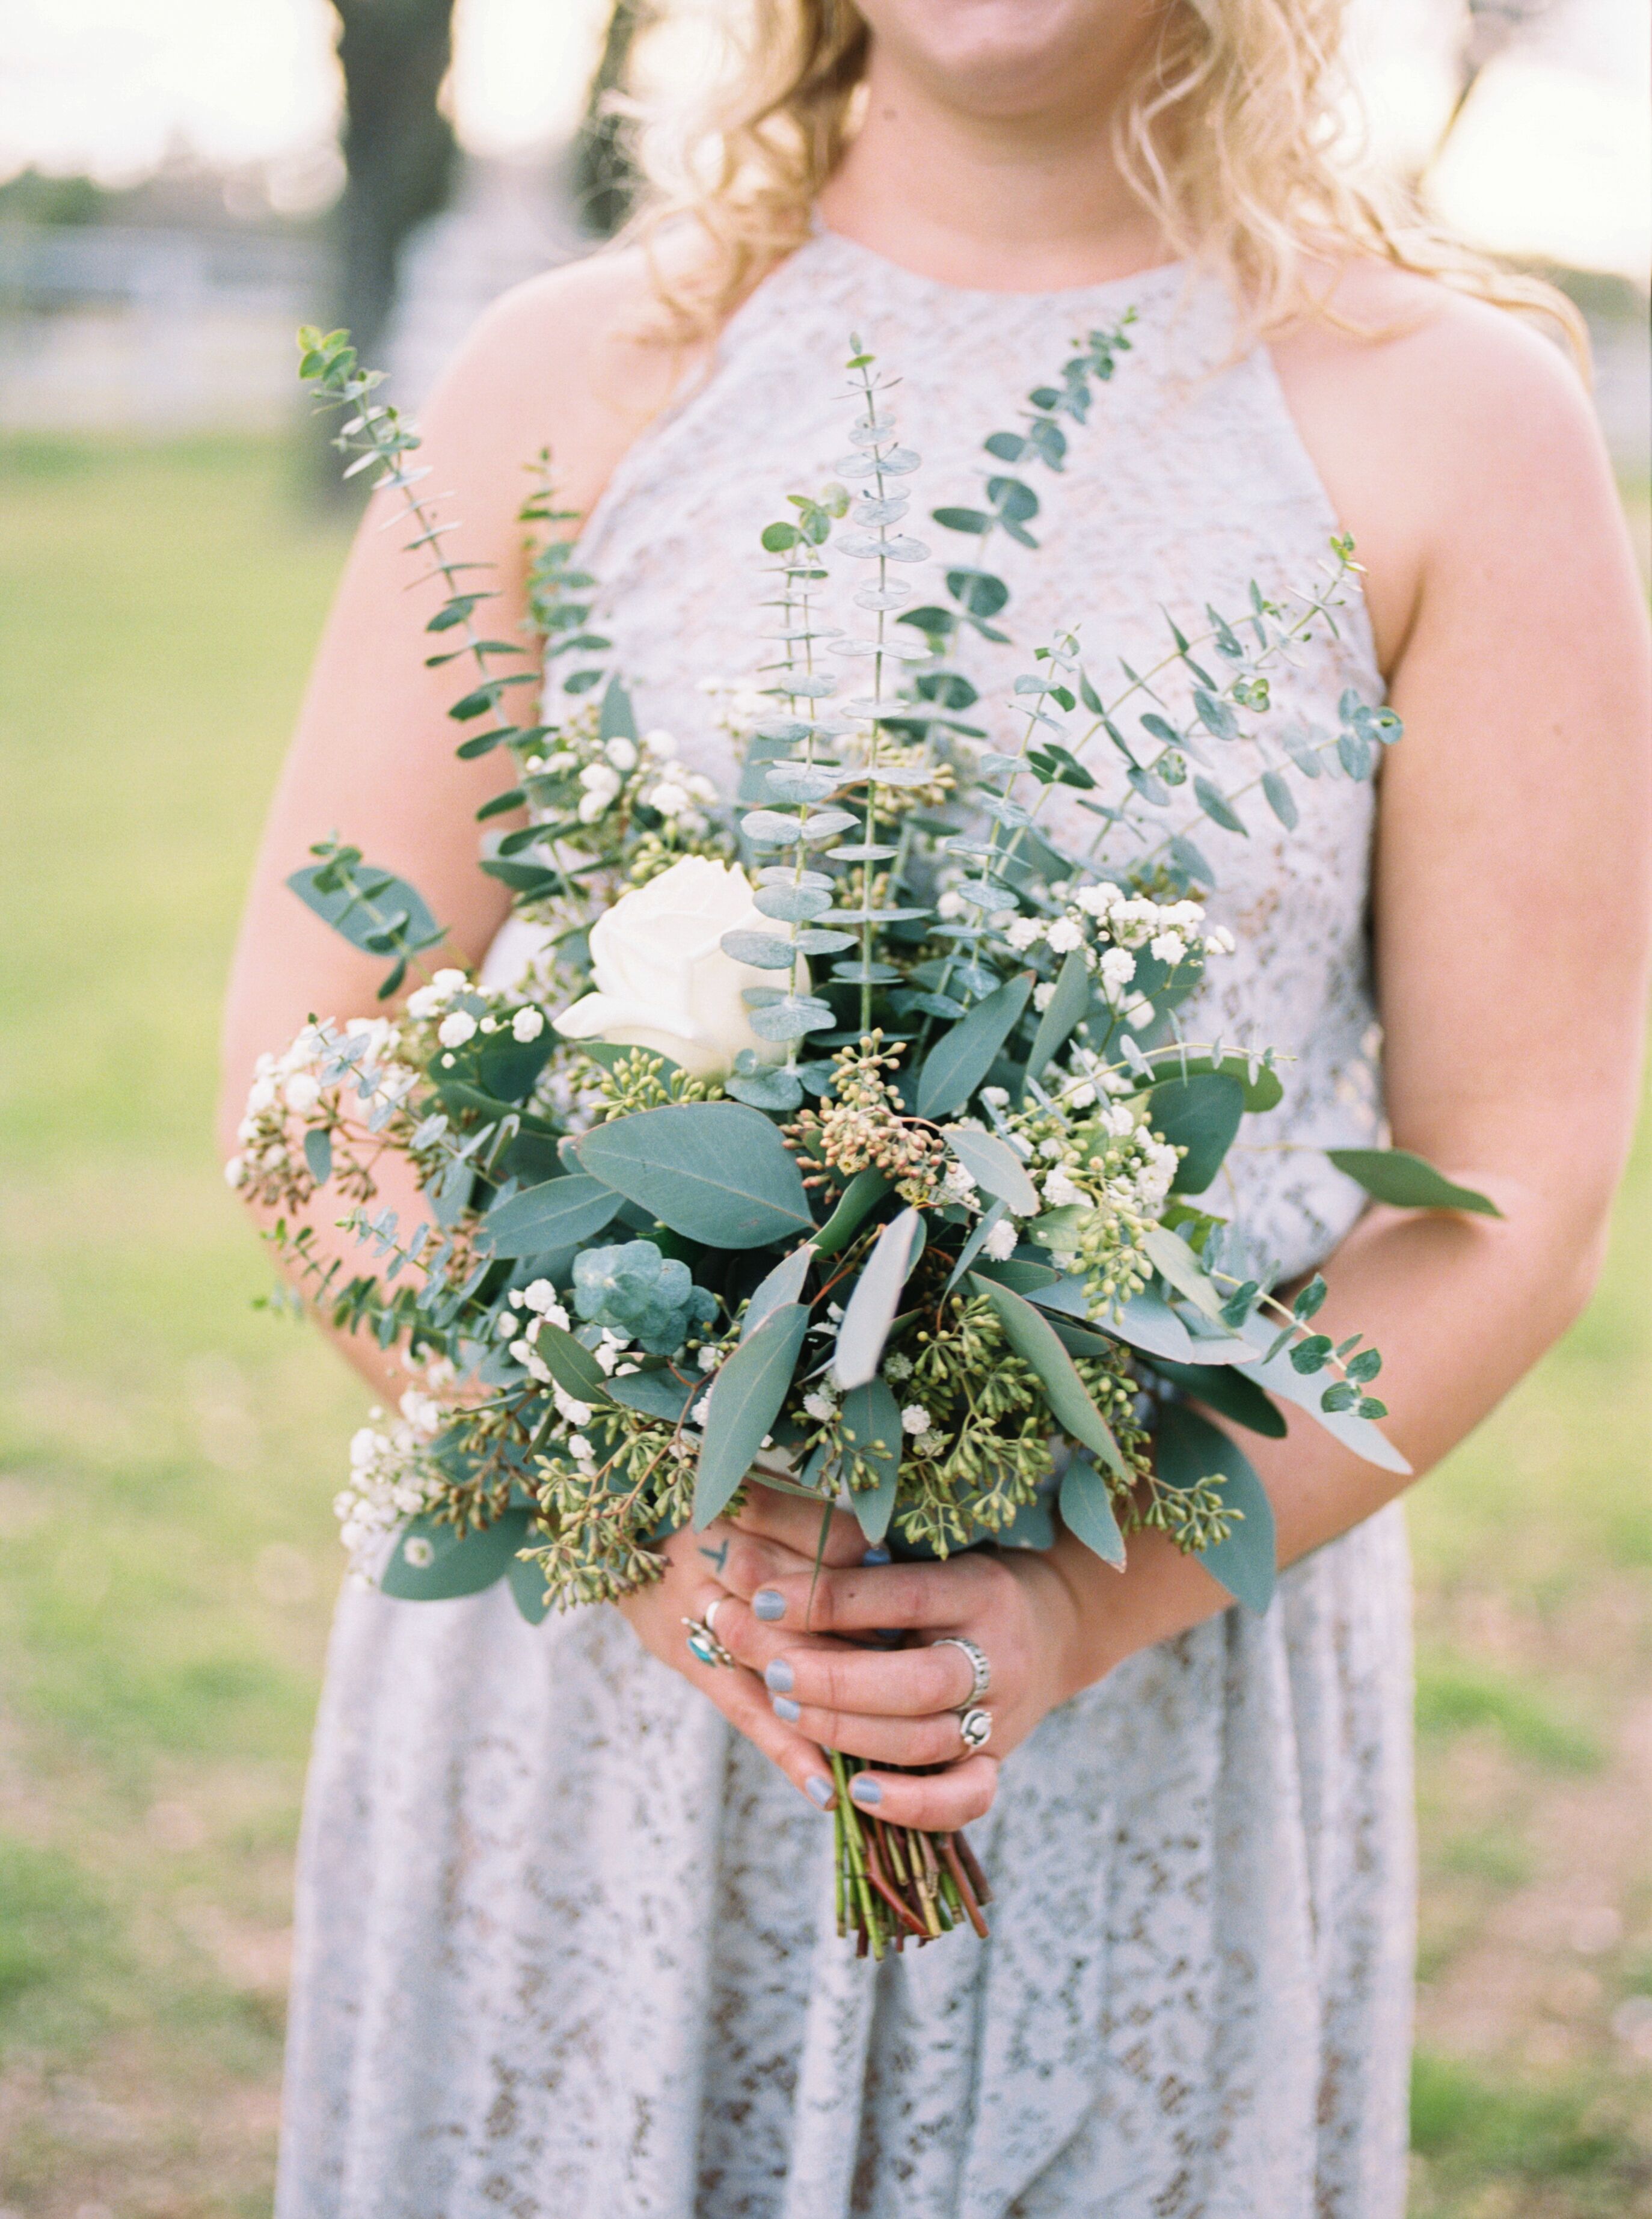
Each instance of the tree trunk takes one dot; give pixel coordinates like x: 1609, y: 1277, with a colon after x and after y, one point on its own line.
x: 604, y: 177
x: 398, y: 146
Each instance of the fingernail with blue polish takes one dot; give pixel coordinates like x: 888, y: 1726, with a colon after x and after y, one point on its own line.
x: 778, y: 1678
x: 878, y: 1554
x: 818, y: 1790
x: 769, y: 1603
x: 865, y: 1790
x: 786, y: 1708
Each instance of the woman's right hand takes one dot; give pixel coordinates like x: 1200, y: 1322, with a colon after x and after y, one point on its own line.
x: 776, y: 1536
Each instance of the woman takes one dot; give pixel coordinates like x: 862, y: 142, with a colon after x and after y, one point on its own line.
x: 561, y: 1944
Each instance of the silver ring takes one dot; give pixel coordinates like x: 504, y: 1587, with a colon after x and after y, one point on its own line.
x: 711, y: 1609
x: 978, y: 1665
x: 975, y: 1728
x: 704, y: 1645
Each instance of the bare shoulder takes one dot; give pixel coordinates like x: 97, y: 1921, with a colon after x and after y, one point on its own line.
x: 1437, y: 421
x: 577, y: 360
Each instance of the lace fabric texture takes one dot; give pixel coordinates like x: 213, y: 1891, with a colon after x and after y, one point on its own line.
x: 565, y: 1945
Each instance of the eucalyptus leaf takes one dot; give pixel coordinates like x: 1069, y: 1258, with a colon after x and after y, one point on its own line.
x: 1065, y: 1010
x: 1202, y: 1114
x: 1150, y: 1324
x: 782, y: 1286
x: 1190, y: 1449
x: 747, y: 1396
x: 658, y: 1392
x: 1408, y: 1181
x: 962, y: 1057
x: 559, y: 1213
x: 1232, y: 1393
x: 1279, y: 1375
x: 1034, y: 1340
x: 527, y: 1584
x: 1262, y: 1087
x: 1086, y: 1511
x: 715, y: 1172
x: 993, y: 1165
x: 870, y: 1310
x: 764, y: 951
x: 870, y: 1421
x: 318, y: 1154
x: 429, y: 1563
x: 1174, y: 1260
x: 859, y: 1199
x: 570, y: 1364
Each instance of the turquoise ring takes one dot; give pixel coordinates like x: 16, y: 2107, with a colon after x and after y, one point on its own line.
x: 704, y: 1645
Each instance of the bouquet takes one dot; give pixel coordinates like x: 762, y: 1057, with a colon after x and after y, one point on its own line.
x: 846, y: 1136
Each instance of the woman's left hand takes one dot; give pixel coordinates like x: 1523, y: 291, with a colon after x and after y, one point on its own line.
x: 900, y: 1706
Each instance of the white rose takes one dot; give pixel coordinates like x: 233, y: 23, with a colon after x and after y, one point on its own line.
x: 662, y: 980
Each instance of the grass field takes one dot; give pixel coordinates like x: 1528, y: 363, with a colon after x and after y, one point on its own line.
x: 167, y: 1457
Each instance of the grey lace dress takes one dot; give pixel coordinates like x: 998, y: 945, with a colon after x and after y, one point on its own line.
x: 564, y: 1943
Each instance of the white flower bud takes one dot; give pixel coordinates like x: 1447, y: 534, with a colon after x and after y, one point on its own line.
x: 456, y: 1029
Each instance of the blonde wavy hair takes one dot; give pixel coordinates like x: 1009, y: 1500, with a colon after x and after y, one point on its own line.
x: 1234, y: 135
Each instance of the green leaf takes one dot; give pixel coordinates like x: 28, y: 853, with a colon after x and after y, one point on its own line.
x: 768, y: 1087
x: 962, y: 519
x: 871, y: 1420
x: 618, y: 720
x: 764, y: 951
x: 1283, y: 802
x: 527, y: 1586
x: 452, y: 1566
x: 1066, y: 1008
x: 1264, y: 1092
x: 1034, y: 1340
x: 1175, y: 1261
x: 790, y: 1017
x: 362, y: 923
x: 1215, y: 805
x: 1087, y: 1512
x: 747, y: 1396
x: 716, y: 1171
x: 859, y: 1199
x: 571, y: 1364
x: 870, y: 1310
x: 1354, y: 1431
x: 1408, y: 1182
x: 964, y: 1055
x: 976, y: 1242
x: 1152, y: 1326
x: 658, y: 1393
x: 1024, y: 1277
x: 318, y: 1154
x: 783, y: 1285
x: 1225, y: 1389
x: 1201, y: 1114
x: 993, y: 1165
x: 1190, y: 1449
x: 559, y: 1214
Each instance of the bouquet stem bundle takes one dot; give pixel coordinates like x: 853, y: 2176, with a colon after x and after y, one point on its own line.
x: 899, y: 1882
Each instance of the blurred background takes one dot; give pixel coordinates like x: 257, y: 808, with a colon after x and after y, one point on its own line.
x: 182, y: 181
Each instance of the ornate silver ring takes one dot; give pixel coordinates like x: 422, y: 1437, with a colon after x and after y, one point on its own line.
x: 978, y: 1665
x: 975, y: 1728
x: 703, y: 1645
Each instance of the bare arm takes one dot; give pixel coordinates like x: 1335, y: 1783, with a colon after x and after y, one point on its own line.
x: 372, y: 759
x: 1511, y: 911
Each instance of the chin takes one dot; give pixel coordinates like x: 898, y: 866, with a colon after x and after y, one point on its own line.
x: 1008, y: 57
